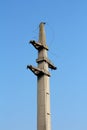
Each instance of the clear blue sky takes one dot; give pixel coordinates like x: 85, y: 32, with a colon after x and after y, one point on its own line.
x: 66, y: 31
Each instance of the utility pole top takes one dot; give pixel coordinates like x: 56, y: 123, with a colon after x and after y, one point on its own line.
x: 42, y: 37
x: 43, y: 23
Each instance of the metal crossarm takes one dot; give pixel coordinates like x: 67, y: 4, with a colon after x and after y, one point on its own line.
x: 38, y: 45
x: 50, y: 64
x: 38, y: 71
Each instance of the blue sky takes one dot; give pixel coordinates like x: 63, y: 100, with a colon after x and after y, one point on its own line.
x: 66, y: 32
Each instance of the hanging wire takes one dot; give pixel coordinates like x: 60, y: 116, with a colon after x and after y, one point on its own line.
x: 52, y: 53
x: 52, y: 34
x: 52, y: 39
x: 35, y: 31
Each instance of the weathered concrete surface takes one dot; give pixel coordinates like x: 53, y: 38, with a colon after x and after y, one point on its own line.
x: 43, y: 90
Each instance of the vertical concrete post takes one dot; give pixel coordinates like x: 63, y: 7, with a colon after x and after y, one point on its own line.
x: 42, y: 73
x: 43, y: 92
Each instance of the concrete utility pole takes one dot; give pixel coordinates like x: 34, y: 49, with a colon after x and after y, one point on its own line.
x: 42, y: 73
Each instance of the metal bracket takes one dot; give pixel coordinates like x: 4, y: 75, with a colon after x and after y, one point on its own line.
x: 38, y: 71
x: 38, y: 45
x: 50, y: 64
